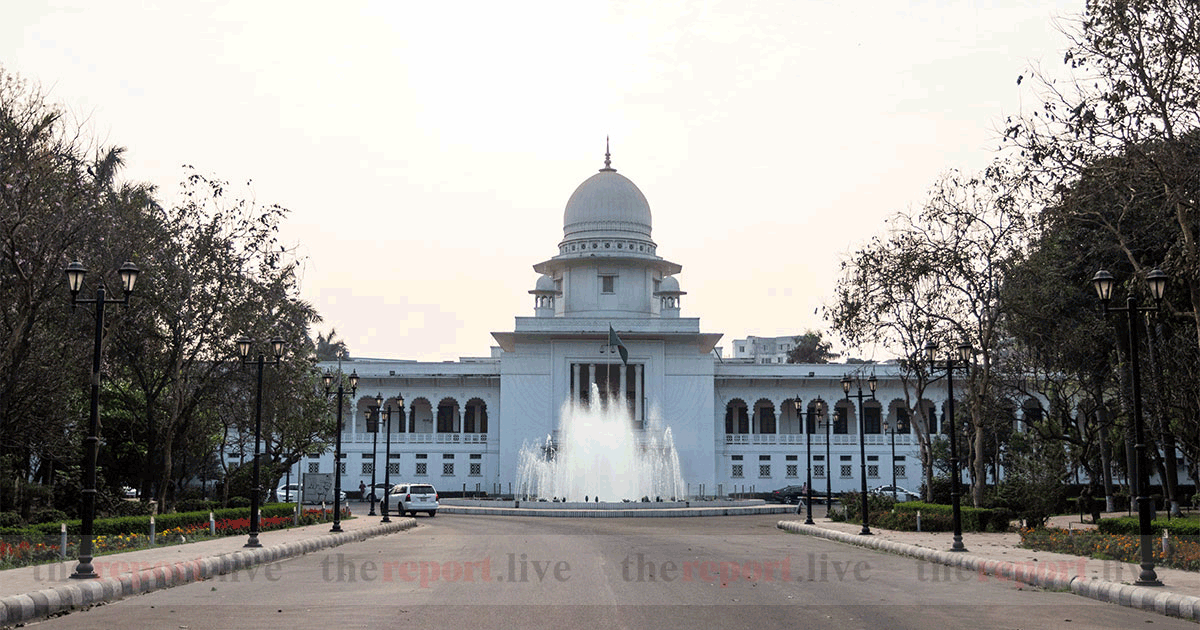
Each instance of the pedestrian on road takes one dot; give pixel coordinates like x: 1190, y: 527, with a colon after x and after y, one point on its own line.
x: 362, y: 489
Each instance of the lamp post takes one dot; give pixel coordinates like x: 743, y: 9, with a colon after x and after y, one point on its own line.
x: 819, y: 413
x: 828, y: 421
x: 891, y: 427
x: 337, y: 457
x: 373, y: 413
x: 872, y: 383
x: 75, y: 272
x: 1103, y: 282
x: 256, y: 498
x: 964, y: 355
x: 387, y: 462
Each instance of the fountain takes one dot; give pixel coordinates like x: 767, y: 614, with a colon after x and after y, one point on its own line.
x: 599, y: 456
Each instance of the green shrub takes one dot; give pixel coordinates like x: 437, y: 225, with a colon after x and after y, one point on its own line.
x: 129, y: 508
x: 47, y: 515
x: 973, y: 519
x: 9, y: 519
x: 141, y: 524
x: 239, y: 502
x: 876, y: 504
x: 197, y: 505
x: 1130, y: 525
x: 907, y: 521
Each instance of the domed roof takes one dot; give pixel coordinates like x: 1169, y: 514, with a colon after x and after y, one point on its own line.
x: 607, y: 204
x: 669, y: 285
x: 545, y: 284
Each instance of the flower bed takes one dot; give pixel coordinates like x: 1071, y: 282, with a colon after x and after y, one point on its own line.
x: 30, y: 546
x: 1182, y: 552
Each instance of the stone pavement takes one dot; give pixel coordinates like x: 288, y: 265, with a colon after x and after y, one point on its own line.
x: 31, y: 593
x: 991, y: 556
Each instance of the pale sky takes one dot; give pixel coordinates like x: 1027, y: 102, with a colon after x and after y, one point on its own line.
x: 426, y: 150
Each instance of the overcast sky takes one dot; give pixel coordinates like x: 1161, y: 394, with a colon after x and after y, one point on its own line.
x: 426, y: 150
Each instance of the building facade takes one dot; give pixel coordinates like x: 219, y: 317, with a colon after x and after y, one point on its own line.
x: 735, y: 422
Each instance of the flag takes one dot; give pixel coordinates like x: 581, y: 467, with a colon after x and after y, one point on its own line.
x: 614, y: 340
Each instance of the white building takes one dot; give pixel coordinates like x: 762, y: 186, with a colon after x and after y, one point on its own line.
x: 763, y: 349
x: 735, y: 421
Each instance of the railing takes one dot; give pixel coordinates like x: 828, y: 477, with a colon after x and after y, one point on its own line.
x: 419, y: 438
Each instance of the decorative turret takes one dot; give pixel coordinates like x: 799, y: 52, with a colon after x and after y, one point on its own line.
x: 668, y: 294
x: 543, y: 297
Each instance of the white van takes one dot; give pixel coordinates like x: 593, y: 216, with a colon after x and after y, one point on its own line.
x: 410, y: 498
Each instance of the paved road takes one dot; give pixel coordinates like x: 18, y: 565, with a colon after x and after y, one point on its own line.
x: 518, y: 572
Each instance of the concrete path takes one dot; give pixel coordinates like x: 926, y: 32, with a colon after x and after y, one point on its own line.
x: 36, y: 592
x: 992, y: 556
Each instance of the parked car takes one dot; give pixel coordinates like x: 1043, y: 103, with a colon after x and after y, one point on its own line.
x: 900, y: 493
x: 410, y: 498
x: 788, y: 494
x: 129, y: 492
x: 288, y: 493
x: 378, y: 490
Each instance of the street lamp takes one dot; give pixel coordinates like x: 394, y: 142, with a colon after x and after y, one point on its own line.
x: 892, y: 427
x: 827, y: 420
x: 819, y: 414
x: 387, y: 480
x: 873, y: 384
x: 1103, y: 282
x: 964, y: 355
x: 75, y: 272
x: 373, y: 412
x: 337, y: 457
x: 244, y: 353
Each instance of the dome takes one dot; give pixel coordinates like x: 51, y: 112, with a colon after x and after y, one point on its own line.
x: 545, y: 284
x: 607, y: 204
x: 669, y: 285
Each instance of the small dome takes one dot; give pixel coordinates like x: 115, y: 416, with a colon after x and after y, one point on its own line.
x: 545, y: 284
x: 669, y: 285
x: 607, y: 204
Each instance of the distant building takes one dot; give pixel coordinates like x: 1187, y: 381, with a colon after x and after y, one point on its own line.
x: 764, y: 350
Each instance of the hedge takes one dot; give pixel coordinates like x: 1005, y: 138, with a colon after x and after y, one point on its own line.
x: 1130, y: 525
x: 973, y: 519
x: 141, y: 524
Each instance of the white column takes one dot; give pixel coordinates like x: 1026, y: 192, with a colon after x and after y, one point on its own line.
x: 621, y: 371
x: 577, y: 384
x: 593, y: 368
x: 639, y: 395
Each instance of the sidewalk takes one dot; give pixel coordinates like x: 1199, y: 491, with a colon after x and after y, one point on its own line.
x: 35, y: 592
x: 991, y: 556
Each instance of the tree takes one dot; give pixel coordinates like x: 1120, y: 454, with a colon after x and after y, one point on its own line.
x: 937, y: 277
x: 218, y: 274
x: 1132, y: 91
x: 811, y: 348
x: 330, y: 348
x: 59, y: 201
x: 1111, y: 214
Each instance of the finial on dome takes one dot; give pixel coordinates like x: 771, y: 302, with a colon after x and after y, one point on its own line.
x: 607, y: 158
